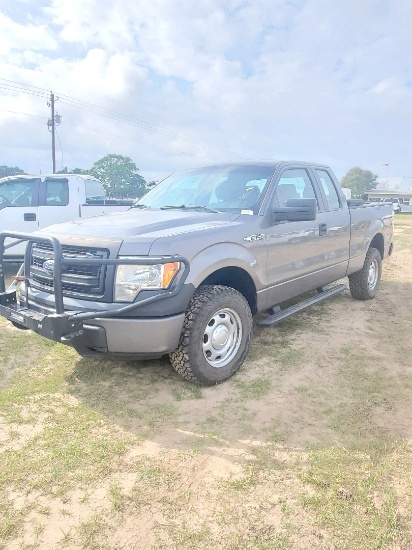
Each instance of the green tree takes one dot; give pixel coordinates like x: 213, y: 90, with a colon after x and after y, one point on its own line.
x: 119, y: 176
x: 74, y: 171
x: 79, y: 171
x: 10, y: 171
x: 359, y: 181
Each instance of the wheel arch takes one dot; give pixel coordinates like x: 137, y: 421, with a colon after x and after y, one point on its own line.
x: 378, y: 242
x: 232, y: 265
x: 237, y: 278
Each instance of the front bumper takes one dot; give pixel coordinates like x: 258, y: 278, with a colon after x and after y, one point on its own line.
x: 142, y: 337
x: 94, y: 332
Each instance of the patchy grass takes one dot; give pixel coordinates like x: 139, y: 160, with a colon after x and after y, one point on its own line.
x: 253, y: 389
x: 308, y: 446
x: 353, y: 497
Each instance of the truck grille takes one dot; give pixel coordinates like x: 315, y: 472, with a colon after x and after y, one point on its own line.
x: 77, y: 279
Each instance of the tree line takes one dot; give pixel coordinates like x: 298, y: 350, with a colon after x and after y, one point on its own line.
x: 119, y: 175
x: 121, y: 179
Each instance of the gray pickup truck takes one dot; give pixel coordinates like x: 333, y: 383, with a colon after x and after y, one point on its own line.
x: 183, y: 271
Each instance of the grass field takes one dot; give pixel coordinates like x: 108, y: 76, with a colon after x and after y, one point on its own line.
x: 308, y: 447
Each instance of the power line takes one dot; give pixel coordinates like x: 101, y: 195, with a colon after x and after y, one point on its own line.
x: 104, y: 133
x: 22, y: 84
x: 72, y: 101
x: 125, y: 138
x: 69, y: 100
x: 26, y: 114
x: 107, y: 113
x: 21, y: 91
x: 130, y: 121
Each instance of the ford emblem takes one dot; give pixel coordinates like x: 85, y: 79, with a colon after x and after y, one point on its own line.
x: 48, y: 266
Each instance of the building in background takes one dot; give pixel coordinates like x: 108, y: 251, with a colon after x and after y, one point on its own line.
x: 393, y: 187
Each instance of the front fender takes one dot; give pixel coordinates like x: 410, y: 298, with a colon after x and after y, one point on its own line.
x: 221, y: 255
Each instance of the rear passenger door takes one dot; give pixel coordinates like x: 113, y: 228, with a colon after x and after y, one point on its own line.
x: 58, y: 203
x: 338, y: 221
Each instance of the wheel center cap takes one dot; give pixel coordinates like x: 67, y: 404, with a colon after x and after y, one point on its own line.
x: 220, y: 336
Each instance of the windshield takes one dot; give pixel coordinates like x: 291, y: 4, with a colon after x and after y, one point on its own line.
x: 223, y: 188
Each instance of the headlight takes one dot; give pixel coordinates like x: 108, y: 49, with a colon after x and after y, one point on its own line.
x: 131, y: 279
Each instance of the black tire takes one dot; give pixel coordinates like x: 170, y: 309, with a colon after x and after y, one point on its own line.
x: 364, y: 284
x: 215, y: 336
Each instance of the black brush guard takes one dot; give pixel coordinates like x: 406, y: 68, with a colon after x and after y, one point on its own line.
x: 58, y: 325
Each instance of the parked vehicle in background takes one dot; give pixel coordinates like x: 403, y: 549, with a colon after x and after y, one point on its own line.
x: 29, y: 203
x: 396, y: 204
x: 186, y: 268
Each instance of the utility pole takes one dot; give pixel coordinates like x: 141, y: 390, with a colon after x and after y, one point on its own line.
x: 53, y: 132
x: 51, y: 125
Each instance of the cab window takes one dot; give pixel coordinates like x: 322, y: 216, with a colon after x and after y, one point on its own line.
x: 294, y: 184
x: 57, y: 193
x: 18, y: 192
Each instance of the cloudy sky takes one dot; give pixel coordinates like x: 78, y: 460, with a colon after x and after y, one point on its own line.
x: 178, y: 83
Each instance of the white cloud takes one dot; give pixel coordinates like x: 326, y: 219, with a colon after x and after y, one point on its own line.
x: 311, y: 79
x: 17, y: 37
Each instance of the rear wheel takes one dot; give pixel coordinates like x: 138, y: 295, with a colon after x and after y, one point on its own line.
x: 215, y: 336
x: 364, y: 284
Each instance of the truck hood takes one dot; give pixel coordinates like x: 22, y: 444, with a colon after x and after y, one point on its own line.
x: 140, y: 228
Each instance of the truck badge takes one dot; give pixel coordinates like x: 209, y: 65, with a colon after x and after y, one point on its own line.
x: 253, y: 238
x: 48, y: 266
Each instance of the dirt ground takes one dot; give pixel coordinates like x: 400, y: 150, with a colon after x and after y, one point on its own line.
x: 308, y: 446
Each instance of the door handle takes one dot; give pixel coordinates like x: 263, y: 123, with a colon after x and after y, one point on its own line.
x: 29, y: 217
x: 323, y: 229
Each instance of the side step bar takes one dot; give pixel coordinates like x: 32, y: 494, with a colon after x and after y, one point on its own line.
x: 280, y: 315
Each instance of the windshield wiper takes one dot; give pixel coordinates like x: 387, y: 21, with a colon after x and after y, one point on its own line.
x: 188, y: 207
x: 144, y: 206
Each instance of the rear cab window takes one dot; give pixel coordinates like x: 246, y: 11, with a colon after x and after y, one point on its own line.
x: 57, y: 192
x: 94, y: 191
x: 331, y: 195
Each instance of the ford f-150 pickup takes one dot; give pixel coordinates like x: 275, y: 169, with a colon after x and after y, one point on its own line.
x: 185, y: 269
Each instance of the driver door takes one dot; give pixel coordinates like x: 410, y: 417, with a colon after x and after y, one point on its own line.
x: 19, y: 208
x: 296, y: 258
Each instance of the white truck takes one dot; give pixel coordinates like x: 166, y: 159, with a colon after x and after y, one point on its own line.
x: 29, y: 203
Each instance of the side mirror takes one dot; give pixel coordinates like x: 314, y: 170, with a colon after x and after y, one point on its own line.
x: 296, y: 210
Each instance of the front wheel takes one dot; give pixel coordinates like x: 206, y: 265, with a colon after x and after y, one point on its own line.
x: 364, y: 284
x: 215, y: 336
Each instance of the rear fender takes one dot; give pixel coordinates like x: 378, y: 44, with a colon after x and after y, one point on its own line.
x: 375, y: 227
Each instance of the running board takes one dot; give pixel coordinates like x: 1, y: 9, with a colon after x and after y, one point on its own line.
x: 284, y: 314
